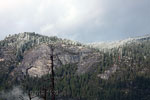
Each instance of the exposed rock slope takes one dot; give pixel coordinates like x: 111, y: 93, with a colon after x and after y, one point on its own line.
x: 32, y: 51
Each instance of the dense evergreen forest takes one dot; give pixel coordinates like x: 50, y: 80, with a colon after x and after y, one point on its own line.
x: 131, y: 80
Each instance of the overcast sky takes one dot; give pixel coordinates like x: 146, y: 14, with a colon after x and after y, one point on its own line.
x: 80, y: 20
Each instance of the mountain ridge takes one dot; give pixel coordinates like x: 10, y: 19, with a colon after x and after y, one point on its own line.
x: 118, y: 43
x: 24, y: 43
x: 81, y: 71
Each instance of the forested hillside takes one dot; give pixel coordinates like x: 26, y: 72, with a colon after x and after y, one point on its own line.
x: 82, y: 72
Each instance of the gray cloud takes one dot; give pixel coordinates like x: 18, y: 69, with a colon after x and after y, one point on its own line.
x: 81, y: 20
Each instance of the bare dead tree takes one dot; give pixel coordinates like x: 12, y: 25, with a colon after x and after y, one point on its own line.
x: 52, y: 73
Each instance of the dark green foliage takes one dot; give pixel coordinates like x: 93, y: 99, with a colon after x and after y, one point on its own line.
x: 130, y: 82
x: 90, y: 87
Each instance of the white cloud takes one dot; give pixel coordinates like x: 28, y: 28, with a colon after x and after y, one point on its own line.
x: 92, y: 20
x: 65, y: 16
x: 47, y: 16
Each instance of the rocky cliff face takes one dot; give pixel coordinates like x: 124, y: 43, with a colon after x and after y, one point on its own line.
x: 33, y: 51
x: 36, y: 62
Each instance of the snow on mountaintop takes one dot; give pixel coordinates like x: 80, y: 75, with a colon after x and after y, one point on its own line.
x: 116, y: 44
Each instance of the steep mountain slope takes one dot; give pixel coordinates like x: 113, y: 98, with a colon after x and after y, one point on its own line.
x: 32, y: 53
x: 116, y: 71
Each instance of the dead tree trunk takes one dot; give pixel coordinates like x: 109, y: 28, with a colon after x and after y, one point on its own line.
x: 52, y: 74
